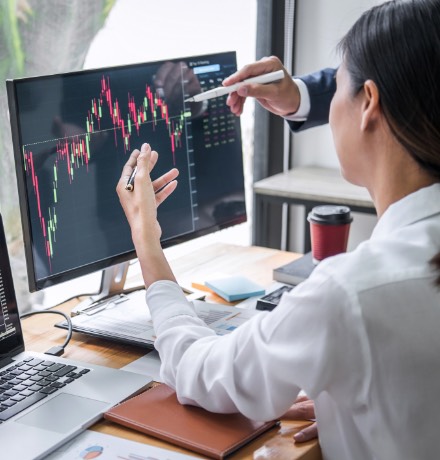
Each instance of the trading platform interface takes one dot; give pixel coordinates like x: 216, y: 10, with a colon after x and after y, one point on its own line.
x: 74, y: 132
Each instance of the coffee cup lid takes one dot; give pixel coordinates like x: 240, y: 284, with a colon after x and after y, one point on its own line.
x: 330, y: 215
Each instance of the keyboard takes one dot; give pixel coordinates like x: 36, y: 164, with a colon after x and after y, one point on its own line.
x: 31, y: 380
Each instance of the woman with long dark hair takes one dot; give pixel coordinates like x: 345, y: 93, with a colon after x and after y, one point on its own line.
x: 361, y: 335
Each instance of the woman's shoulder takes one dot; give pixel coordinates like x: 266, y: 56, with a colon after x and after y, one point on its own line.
x: 379, y: 262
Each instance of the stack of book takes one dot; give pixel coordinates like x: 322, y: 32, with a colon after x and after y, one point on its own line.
x: 296, y: 271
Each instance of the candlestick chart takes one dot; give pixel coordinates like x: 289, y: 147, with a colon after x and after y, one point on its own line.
x: 73, y: 133
x: 94, y: 144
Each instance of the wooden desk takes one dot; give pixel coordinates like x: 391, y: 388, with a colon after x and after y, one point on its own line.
x: 308, y: 187
x: 256, y: 263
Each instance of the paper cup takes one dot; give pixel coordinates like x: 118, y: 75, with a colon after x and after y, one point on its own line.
x: 329, y: 230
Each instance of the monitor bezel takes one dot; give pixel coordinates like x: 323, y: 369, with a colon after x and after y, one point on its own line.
x: 55, y: 279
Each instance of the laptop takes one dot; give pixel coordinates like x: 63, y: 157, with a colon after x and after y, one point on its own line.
x: 46, y: 400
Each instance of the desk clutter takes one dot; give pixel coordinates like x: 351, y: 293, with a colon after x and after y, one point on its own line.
x: 157, y: 412
x: 112, y: 317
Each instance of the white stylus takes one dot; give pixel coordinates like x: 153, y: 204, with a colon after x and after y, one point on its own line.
x: 222, y: 90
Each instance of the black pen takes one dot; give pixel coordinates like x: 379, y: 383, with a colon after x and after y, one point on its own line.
x: 130, y: 182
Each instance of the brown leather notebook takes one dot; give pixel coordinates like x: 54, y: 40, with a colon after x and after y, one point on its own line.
x: 158, y: 413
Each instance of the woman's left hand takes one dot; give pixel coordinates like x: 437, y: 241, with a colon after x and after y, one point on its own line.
x: 303, y: 409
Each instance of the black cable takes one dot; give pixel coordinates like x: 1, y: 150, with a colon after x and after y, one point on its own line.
x: 55, y: 351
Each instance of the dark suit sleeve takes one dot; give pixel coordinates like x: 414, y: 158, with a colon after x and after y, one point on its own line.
x: 322, y: 87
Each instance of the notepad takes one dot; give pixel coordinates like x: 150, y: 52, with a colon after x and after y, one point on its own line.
x: 158, y: 413
x: 235, y: 288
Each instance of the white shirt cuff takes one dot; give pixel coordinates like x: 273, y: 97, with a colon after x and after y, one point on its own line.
x: 304, y: 104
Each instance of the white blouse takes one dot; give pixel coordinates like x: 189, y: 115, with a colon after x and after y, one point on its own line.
x: 361, y: 337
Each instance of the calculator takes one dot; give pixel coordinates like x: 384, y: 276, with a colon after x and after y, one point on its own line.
x: 271, y: 300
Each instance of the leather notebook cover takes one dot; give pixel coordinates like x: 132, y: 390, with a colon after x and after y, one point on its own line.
x: 158, y: 413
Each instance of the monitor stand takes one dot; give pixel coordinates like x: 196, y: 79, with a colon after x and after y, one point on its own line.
x: 112, y: 286
x: 112, y: 290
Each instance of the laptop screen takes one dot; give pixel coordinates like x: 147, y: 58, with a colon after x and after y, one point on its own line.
x: 11, y: 337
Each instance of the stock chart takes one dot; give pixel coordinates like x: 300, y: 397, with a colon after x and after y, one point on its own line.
x: 85, y: 128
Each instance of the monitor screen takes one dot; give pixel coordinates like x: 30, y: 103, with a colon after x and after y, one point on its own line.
x: 73, y: 133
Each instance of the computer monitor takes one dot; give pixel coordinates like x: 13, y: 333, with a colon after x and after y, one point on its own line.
x: 73, y: 132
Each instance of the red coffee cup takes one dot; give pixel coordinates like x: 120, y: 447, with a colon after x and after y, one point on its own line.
x: 329, y: 229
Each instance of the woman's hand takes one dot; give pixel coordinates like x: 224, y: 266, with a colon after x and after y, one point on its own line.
x: 281, y: 98
x: 140, y: 207
x: 303, y: 409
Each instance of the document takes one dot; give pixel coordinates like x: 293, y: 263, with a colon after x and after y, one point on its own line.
x: 223, y: 319
x: 92, y: 444
x: 130, y: 321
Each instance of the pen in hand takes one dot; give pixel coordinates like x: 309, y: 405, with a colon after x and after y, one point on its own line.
x: 130, y: 183
x: 222, y: 90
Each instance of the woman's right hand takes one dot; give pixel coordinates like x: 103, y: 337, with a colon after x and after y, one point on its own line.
x: 281, y: 98
x: 140, y: 207
x: 140, y: 204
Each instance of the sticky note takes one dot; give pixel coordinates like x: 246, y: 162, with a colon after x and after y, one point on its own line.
x: 235, y: 288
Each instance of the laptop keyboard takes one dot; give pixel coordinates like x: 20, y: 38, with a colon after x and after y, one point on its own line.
x: 31, y: 380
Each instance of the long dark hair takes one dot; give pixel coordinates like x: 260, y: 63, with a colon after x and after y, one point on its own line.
x: 397, y: 45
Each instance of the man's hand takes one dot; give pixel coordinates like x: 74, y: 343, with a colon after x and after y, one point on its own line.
x: 281, y: 98
x: 303, y: 409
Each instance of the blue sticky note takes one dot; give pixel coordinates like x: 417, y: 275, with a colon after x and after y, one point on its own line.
x: 235, y: 288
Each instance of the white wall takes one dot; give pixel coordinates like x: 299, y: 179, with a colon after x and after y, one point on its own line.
x: 320, y: 24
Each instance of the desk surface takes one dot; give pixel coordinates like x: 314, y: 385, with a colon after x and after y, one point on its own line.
x: 256, y: 263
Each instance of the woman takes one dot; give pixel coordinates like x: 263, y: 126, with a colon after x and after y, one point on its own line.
x: 360, y: 336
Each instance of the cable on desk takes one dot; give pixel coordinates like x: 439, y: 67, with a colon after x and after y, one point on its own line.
x: 55, y: 351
